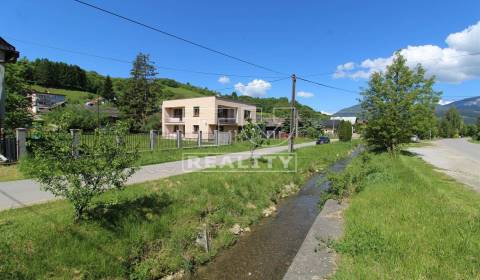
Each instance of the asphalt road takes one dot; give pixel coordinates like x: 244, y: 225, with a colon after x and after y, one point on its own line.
x: 458, y: 158
x: 14, y: 194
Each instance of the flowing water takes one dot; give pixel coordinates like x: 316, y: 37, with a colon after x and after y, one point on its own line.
x: 267, y: 251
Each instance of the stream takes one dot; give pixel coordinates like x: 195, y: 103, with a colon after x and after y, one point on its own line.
x: 267, y: 251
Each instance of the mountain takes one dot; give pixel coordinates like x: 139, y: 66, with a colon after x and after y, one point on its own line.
x: 349, y: 111
x: 468, y: 108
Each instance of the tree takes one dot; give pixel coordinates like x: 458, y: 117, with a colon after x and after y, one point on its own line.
x: 345, y: 131
x: 107, y: 90
x: 397, y: 104
x: 17, y: 102
x: 80, y: 175
x: 252, y: 133
x: 234, y: 95
x: 451, y: 124
x: 141, y: 96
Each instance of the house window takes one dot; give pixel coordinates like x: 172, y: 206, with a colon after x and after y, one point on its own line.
x: 196, y: 128
x: 196, y: 111
x: 175, y: 128
x: 246, y: 114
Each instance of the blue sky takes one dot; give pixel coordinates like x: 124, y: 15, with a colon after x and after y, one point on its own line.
x: 303, y: 37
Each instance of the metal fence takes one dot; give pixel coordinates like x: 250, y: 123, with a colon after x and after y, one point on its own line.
x: 8, y: 149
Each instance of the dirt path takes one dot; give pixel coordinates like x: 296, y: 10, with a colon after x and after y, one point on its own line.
x: 458, y: 158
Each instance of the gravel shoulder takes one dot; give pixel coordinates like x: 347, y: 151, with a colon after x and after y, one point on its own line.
x: 457, y: 158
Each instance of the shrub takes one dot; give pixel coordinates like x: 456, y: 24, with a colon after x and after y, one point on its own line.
x: 345, y: 131
x: 80, y: 174
x: 351, y: 180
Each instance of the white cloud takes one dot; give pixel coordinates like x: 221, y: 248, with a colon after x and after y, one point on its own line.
x: 224, y: 80
x: 444, y: 102
x: 305, y: 94
x: 255, y: 88
x: 451, y: 64
x: 326, y: 113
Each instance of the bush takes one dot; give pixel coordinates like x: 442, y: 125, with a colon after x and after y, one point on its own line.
x: 80, y: 174
x: 345, y: 131
x: 74, y: 117
x: 351, y: 180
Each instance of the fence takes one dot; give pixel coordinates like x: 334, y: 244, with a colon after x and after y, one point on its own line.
x: 152, y: 141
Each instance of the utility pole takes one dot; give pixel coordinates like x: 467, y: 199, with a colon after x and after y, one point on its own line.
x: 293, y: 117
x: 98, y: 113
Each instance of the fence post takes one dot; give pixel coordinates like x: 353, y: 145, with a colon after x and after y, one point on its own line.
x: 215, y: 136
x: 21, y: 135
x: 75, y: 141
x: 230, y: 137
x: 179, y: 139
x: 199, y: 140
x: 153, y: 139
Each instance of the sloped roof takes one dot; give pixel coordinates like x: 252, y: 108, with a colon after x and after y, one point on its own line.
x: 11, y: 54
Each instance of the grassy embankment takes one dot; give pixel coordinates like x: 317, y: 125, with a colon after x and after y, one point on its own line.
x: 146, y: 230
x: 406, y: 221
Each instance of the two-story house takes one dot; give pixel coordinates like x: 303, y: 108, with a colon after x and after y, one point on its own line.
x: 205, y: 114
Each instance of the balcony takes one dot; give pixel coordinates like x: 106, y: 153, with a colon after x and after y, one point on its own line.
x: 175, y: 120
x: 227, y: 120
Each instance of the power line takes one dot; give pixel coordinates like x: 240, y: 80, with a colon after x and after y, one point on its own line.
x: 178, y: 37
x: 387, y: 63
x: 129, y: 62
x: 271, y: 81
x: 325, y: 85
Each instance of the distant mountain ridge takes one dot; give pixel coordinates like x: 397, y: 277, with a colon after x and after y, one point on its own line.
x: 469, y: 109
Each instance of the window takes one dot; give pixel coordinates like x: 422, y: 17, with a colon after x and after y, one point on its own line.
x: 175, y: 128
x: 196, y: 128
x: 246, y: 114
x: 196, y: 111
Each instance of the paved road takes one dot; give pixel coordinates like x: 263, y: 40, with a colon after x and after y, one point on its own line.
x: 21, y: 193
x: 456, y: 157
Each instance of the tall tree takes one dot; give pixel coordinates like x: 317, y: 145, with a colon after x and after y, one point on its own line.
x: 107, y: 90
x: 17, y: 102
x: 397, y: 104
x: 141, y: 96
x: 452, y: 123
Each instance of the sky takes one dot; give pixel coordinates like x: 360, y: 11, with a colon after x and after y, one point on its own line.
x: 338, y: 43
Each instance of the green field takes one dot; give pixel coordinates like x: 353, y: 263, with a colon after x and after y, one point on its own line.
x: 73, y: 96
x: 147, y: 230
x: 407, y: 221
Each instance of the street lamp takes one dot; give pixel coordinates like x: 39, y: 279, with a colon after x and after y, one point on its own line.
x: 8, y: 54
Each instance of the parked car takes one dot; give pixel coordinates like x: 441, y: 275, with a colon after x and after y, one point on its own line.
x: 323, y: 140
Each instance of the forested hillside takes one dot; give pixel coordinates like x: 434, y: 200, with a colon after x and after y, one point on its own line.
x: 79, y: 85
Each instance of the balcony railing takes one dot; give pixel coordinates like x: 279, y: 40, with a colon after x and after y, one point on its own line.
x: 175, y: 120
x: 224, y: 120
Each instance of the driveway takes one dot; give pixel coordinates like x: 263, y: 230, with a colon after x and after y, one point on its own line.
x: 21, y: 193
x: 458, y: 158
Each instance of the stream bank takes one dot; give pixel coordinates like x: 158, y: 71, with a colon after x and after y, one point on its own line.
x: 268, y: 251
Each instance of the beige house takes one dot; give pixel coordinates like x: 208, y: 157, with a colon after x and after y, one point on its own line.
x: 205, y: 114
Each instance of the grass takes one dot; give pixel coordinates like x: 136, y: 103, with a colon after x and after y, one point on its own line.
x: 147, y: 230
x: 73, y: 96
x: 10, y: 173
x: 474, y: 141
x: 407, y: 221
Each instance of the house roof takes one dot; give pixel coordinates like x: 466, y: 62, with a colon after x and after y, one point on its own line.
x: 217, y: 97
x: 11, y: 54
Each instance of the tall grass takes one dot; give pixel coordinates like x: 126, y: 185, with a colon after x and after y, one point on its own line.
x: 407, y: 221
x: 147, y: 230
